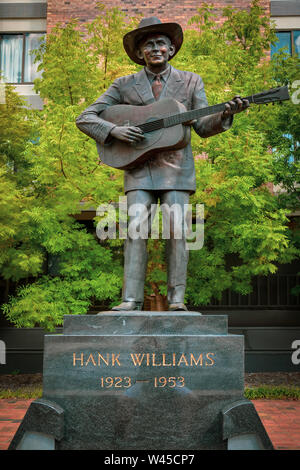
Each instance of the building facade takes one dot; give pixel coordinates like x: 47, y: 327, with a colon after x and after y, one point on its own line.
x: 24, y: 22
x: 170, y: 10
x: 22, y: 25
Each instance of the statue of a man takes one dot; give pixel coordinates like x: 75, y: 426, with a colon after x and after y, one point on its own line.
x: 169, y: 176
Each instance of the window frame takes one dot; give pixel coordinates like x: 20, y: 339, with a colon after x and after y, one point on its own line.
x: 289, y: 30
x: 23, y: 34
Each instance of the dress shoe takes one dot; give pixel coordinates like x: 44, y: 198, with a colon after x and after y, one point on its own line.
x: 127, y: 306
x: 177, y: 307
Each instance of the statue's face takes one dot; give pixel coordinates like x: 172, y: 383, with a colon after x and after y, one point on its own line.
x: 155, y: 49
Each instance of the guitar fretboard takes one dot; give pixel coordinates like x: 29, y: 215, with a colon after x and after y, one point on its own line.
x: 180, y: 118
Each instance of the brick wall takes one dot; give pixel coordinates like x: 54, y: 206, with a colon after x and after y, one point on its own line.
x: 167, y: 10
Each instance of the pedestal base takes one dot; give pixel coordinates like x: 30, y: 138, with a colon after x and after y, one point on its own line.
x: 143, y: 380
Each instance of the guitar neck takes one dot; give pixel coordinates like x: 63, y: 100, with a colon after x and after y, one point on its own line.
x: 180, y: 118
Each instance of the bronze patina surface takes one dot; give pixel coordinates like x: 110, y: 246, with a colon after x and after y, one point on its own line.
x: 169, y: 176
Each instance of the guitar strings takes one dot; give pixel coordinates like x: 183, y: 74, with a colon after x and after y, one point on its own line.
x: 175, y: 119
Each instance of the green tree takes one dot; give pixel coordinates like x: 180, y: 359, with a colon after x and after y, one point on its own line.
x: 284, y: 133
x: 17, y: 257
x: 246, y: 227
x: 244, y: 221
x: 63, y: 174
x: 284, y: 138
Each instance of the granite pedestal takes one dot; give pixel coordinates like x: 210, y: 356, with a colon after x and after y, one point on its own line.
x: 143, y: 380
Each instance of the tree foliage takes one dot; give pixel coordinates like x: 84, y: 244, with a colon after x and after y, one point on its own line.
x: 63, y: 175
x: 246, y: 230
x: 17, y: 257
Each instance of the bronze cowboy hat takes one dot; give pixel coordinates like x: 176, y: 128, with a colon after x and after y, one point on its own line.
x: 151, y: 25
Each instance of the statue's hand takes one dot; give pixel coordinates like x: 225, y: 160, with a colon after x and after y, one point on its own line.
x: 236, y: 105
x: 127, y: 133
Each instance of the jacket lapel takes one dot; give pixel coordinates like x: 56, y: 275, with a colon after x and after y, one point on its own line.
x: 174, y: 85
x: 172, y: 88
x: 143, y: 88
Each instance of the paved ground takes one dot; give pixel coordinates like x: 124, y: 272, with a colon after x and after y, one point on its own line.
x: 12, y: 412
x: 281, y: 419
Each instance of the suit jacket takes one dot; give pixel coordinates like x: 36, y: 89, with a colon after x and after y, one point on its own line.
x: 169, y: 170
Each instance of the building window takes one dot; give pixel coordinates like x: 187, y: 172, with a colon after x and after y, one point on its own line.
x: 16, y: 62
x: 290, y: 40
x: 296, y: 35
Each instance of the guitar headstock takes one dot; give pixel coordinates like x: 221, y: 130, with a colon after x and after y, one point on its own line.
x: 271, y: 96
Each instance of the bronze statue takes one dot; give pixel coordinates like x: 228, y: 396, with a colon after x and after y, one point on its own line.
x: 170, y: 175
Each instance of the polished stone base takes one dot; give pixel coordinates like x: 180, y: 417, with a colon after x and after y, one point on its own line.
x: 143, y: 380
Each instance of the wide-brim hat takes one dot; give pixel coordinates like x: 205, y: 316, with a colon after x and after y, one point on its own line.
x: 147, y: 26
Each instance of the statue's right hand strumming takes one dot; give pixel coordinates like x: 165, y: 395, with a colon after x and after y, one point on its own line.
x: 128, y: 134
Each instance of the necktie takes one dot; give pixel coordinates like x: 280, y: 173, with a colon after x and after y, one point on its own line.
x: 156, y: 87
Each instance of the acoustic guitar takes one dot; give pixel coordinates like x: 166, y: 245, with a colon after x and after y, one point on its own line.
x: 162, y: 125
